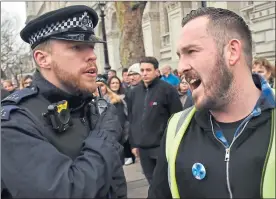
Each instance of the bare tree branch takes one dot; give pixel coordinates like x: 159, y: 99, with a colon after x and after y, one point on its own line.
x: 12, y: 50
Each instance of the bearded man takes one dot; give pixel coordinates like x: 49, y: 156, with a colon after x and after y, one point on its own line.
x: 224, y: 146
x: 55, y: 144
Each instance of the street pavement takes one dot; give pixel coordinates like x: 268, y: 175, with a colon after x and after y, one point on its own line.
x: 136, y: 183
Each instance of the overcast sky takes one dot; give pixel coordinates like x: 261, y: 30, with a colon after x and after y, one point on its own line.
x: 16, y: 8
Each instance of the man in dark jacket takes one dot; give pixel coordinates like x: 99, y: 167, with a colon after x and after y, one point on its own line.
x: 56, y: 143
x: 228, y: 138
x: 150, y: 105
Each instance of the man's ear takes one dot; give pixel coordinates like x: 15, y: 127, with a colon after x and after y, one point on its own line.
x: 43, y: 59
x: 234, y: 51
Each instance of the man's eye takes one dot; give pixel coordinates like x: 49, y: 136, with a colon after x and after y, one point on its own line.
x: 191, y: 51
x: 76, y: 47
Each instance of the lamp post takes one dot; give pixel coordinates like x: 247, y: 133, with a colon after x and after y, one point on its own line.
x: 107, y: 67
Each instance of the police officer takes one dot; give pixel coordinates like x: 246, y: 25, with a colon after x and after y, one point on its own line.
x: 56, y: 141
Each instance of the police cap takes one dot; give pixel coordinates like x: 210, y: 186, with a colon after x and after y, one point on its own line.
x: 72, y: 23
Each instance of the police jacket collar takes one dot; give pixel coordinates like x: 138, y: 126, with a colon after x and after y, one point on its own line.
x: 265, y: 102
x: 54, y: 94
x: 154, y: 82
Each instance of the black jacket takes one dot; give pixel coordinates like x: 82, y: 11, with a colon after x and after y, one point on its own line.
x: 149, y: 110
x: 82, y: 162
x: 199, y: 145
x: 122, y: 118
x: 4, y: 93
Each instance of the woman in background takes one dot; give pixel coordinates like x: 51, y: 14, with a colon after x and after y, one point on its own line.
x: 117, y: 101
x: 185, y: 98
x: 263, y: 67
x: 116, y: 86
x: 26, y: 81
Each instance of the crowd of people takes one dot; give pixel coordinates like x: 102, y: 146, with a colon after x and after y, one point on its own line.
x: 56, y: 143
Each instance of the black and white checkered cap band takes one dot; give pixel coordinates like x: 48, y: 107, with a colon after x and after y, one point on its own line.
x: 82, y: 21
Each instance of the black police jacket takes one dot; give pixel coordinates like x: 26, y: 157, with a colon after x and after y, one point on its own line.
x: 40, y: 162
x: 149, y: 110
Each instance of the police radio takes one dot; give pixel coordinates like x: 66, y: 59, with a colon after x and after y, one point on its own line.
x: 101, y: 103
x: 59, y: 116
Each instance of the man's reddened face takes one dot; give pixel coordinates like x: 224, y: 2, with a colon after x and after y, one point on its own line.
x: 200, y: 62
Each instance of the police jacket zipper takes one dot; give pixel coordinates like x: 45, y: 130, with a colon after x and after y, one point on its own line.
x: 227, y: 155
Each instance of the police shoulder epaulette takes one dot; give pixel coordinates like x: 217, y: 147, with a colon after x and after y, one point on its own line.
x: 6, y: 111
x: 17, y: 96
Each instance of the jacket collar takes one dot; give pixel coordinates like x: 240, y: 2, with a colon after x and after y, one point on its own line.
x: 266, y: 101
x: 54, y: 94
x: 154, y: 82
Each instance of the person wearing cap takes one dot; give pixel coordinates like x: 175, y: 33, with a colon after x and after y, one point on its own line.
x: 55, y: 141
x: 134, y: 75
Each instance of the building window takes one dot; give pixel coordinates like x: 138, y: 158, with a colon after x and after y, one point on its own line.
x: 166, y: 21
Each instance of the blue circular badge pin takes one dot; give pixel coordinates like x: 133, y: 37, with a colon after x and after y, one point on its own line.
x: 199, y: 171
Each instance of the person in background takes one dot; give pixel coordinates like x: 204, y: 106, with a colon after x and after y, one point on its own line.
x: 115, y: 85
x: 8, y: 85
x: 4, y: 93
x: 125, y: 79
x: 26, y: 81
x: 158, y: 74
x: 150, y: 104
x: 134, y: 75
x: 185, y: 98
x: 114, y: 99
x: 168, y: 77
x: 175, y: 72
x: 111, y: 73
x: 263, y: 67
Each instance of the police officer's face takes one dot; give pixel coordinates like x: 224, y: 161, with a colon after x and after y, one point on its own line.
x: 148, y: 72
x: 204, y: 65
x: 73, y: 66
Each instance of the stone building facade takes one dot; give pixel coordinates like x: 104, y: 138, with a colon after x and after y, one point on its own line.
x: 162, y: 24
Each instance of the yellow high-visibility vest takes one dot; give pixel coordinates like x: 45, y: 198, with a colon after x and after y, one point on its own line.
x: 174, y: 138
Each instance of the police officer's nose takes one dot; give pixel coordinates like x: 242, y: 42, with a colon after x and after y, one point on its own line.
x: 91, y: 55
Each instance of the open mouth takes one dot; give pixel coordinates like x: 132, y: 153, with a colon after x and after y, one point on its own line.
x: 91, y: 71
x: 194, y: 82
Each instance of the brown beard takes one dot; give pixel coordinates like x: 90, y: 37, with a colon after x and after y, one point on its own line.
x: 217, y: 89
x: 219, y: 85
x: 72, y: 82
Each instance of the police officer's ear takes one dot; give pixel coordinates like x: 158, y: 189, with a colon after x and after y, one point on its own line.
x: 42, y: 55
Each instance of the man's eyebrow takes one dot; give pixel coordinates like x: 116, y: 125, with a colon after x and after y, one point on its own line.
x: 186, y: 48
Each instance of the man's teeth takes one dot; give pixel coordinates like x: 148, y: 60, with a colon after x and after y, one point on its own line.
x: 193, y: 81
